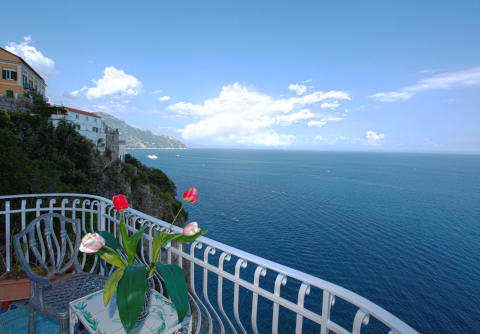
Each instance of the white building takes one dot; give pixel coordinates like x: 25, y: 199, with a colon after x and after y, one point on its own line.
x: 88, y: 124
x: 92, y: 127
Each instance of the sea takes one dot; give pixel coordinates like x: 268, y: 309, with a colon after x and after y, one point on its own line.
x: 400, y: 229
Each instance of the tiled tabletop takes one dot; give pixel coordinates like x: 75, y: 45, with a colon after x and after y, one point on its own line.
x: 98, y: 319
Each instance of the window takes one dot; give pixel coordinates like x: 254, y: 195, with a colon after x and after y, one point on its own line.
x: 113, y: 137
x: 10, y: 93
x: 9, y: 75
x: 25, y: 81
x: 86, y: 117
x: 76, y: 116
x: 30, y: 84
x: 112, y: 148
x: 94, y: 129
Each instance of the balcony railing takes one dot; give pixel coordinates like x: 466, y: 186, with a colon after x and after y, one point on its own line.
x: 231, y: 291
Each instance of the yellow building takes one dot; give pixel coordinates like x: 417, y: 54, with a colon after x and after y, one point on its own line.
x: 18, y: 77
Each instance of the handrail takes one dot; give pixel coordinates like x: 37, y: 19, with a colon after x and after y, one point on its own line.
x: 107, y: 219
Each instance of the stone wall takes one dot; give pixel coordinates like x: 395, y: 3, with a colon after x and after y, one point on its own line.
x: 20, y: 104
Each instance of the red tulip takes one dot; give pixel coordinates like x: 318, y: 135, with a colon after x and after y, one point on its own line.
x: 190, y: 195
x: 120, y: 202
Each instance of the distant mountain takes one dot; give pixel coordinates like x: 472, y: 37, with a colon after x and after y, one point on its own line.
x: 137, y: 138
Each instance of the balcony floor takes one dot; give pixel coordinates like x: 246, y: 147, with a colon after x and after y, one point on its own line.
x: 14, y: 320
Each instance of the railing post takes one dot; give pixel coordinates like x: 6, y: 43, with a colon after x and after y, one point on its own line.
x: 279, y: 281
x: 304, y: 290
x: 38, y: 208
x: 7, y: 236
x: 51, y: 204
x: 24, y: 224
x: 328, y: 301
x: 101, y: 216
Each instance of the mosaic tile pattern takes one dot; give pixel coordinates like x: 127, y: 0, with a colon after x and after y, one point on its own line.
x: 14, y: 320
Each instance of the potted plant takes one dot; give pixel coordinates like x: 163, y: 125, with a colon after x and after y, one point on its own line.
x: 130, y: 278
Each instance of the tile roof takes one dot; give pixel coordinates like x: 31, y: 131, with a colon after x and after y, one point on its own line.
x: 82, y: 112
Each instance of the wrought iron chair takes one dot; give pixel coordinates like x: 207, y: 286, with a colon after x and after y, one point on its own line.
x: 50, y: 243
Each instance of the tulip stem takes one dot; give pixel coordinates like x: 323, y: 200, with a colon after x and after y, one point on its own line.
x: 174, y: 219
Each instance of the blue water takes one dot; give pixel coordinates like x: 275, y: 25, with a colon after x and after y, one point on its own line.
x: 402, y: 230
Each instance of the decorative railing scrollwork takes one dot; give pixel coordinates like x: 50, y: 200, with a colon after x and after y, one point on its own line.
x: 248, y: 289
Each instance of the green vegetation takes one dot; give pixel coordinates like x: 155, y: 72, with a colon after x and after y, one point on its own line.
x: 36, y: 157
x: 147, y: 189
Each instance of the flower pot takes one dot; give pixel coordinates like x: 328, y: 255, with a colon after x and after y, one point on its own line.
x: 14, y: 289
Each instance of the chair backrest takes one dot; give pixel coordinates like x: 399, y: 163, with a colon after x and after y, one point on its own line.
x: 48, y: 246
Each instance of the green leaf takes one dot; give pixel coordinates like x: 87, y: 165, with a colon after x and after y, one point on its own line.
x: 176, y: 285
x: 110, y: 240
x: 131, y: 294
x: 111, y: 256
x: 111, y: 285
x: 124, y: 233
x: 132, y: 247
x: 159, y: 240
x: 184, y: 238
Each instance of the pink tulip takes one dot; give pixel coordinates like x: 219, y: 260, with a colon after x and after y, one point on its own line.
x: 91, y: 243
x: 191, y: 229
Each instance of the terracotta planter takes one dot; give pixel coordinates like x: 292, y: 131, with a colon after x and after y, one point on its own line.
x: 14, y: 289
x: 17, y: 289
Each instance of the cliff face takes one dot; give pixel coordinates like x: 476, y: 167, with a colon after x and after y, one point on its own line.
x: 143, y: 189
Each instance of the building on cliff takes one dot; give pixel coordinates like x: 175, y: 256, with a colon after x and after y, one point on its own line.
x: 18, y: 77
x: 92, y: 127
x: 114, y: 143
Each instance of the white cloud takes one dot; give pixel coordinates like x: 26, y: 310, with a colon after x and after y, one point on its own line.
x: 372, y: 135
x: 320, y: 138
x: 323, y: 121
x: 299, y: 89
x: 294, y: 117
x: 319, y: 123
x: 76, y: 93
x: 441, y: 81
x: 429, y: 71
x: 243, y: 115
x: 330, y: 105
x: 164, y: 98
x: 43, y: 65
x: 272, y: 138
x: 114, y: 83
x: 113, y: 107
x: 157, y: 91
x: 391, y: 96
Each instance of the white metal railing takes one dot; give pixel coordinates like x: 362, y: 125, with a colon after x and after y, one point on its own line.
x: 230, y: 301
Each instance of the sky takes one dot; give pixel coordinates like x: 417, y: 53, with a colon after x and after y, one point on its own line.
x: 316, y: 75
